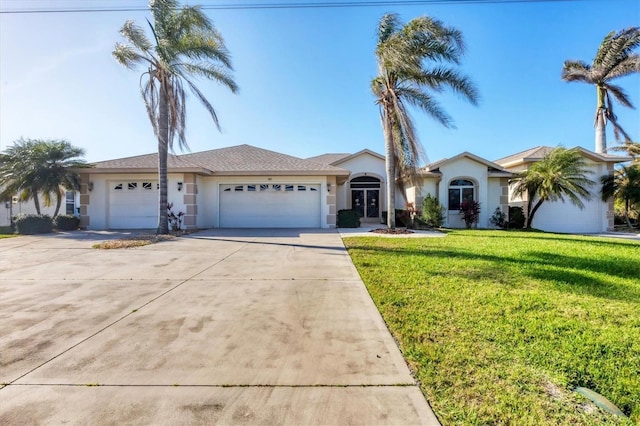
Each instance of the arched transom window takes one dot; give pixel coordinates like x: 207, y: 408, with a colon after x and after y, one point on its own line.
x: 460, y: 190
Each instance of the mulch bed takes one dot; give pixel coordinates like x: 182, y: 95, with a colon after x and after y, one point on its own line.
x: 391, y: 231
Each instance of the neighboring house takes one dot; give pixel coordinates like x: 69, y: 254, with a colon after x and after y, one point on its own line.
x: 249, y: 187
x: 597, y: 216
x: 13, y: 208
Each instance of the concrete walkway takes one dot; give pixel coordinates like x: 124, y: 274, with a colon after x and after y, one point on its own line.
x: 219, y: 327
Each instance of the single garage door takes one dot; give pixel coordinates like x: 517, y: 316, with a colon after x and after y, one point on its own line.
x: 269, y: 205
x: 133, y: 204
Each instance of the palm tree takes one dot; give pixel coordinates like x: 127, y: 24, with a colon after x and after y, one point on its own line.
x: 631, y: 148
x: 185, y: 45
x: 560, y: 173
x: 615, y: 58
x: 623, y: 185
x: 412, y: 63
x: 31, y: 167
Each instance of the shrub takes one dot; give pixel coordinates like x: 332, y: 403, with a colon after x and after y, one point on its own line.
x: 175, y: 219
x: 516, y: 217
x: 470, y: 212
x: 29, y: 224
x: 66, y: 222
x: 432, y: 212
x: 403, y: 218
x: 498, y: 218
x: 348, y: 219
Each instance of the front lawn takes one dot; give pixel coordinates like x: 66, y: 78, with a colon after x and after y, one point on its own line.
x: 501, y: 326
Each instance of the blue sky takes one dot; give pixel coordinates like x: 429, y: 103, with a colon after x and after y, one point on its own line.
x: 304, y: 78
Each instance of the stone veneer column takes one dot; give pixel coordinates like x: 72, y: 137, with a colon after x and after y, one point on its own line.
x: 84, y: 201
x: 331, y: 201
x: 191, y: 189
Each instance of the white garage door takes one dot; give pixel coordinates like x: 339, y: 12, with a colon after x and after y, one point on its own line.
x: 270, y: 206
x: 133, y: 204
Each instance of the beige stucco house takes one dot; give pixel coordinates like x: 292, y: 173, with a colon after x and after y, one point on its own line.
x: 250, y: 187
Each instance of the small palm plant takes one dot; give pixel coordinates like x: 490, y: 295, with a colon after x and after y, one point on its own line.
x: 561, y: 173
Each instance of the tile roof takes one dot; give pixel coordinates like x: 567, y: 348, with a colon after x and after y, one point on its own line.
x: 534, y: 153
x: 147, y: 161
x: 328, y: 158
x: 240, y: 159
x: 492, y: 166
x: 539, y: 152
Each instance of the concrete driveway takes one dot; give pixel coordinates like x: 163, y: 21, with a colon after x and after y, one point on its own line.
x: 225, y: 326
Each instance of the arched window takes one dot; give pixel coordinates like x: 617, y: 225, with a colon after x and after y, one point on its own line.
x: 460, y: 190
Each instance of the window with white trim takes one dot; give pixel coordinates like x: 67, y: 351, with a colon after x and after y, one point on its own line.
x: 461, y: 190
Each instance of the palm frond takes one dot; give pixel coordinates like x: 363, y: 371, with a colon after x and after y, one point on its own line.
x: 619, y: 94
x: 577, y: 71
x: 427, y: 104
x: 210, y: 72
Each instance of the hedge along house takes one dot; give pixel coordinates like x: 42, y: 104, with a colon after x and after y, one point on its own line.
x: 597, y: 215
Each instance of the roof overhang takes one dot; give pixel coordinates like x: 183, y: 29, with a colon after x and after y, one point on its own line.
x: 593, y: 156
x: 357, y: 154
x: 141, y: 170
x: 343, y: 173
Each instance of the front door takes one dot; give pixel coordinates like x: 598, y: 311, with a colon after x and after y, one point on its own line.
x: 366, y: 202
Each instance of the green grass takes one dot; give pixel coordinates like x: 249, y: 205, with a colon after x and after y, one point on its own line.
x: 500, y: 326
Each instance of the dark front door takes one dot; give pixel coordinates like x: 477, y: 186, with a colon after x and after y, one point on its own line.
x: 373, y: 199
x: 366, y: 202
x: 357, y: 201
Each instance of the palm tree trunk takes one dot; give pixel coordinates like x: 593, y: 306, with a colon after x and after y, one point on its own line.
x: 626, y: 212
x: 163, y: 151
x: 529, y: 221
x: 391, y: 171
x: 58, y: 203
x: 601, y: 129
x: 36, y: 201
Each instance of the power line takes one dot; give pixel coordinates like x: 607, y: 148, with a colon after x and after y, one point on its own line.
x: 285, y: 5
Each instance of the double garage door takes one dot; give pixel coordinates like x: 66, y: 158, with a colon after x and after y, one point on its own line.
x: 270, y: 205
x: 133, y: 204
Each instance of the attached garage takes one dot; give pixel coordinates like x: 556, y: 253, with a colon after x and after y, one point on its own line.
x: 270, y: 205
x: 132, y: 204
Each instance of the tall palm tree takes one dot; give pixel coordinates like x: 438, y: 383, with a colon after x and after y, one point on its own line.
x: 184, y: 45
x: 33, y: 167
x: 615, y: 59
x: 562, y: 173
x: 623, y: 185
x: 413, y: 63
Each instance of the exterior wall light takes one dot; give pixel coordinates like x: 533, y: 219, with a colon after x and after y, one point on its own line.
x: 90, y: 186
x: 179, y: 186
x: 328, y: 187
